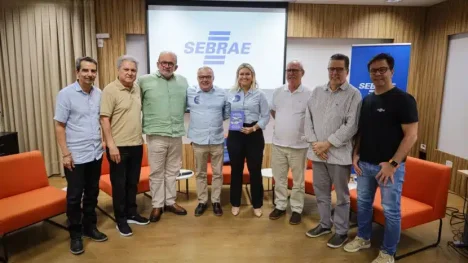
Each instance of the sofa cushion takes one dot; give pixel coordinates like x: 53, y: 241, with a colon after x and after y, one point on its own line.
x: 308, y: 180
x: 413, y: 213
x: 143, y: 186
x: 227, y: 174
x: 31, y: 207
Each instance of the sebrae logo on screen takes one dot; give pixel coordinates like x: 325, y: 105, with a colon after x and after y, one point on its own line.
x: 217, y: 47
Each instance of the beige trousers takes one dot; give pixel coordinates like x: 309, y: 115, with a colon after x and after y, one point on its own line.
x: 165, y: 159
x: 201, y: 152
x: 283, y: 159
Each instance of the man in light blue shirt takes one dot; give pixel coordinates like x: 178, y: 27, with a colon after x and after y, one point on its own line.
x: 209, y: 107
x: 79, y: 136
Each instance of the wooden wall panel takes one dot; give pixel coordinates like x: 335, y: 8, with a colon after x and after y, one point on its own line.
x: 443, y: 20
x: 118, y: 18
x: 402, y: 24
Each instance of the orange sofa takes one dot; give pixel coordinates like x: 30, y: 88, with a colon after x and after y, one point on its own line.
x: 424, y: 197
x: 105, y: 183
x: 26, y: 197
x: 227, y: 174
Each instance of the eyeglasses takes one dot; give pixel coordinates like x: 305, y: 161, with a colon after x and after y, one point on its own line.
x: 381, y: 70
x: 205, y: 77
x: 293, y: 70
x: 166, y: 64
x: 338, y: 70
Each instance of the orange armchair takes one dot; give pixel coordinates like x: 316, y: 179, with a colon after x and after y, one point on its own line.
x: 26, y: 197
x: 419, y: 205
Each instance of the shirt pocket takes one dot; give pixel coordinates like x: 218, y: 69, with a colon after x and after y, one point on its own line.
x: 299, y: 106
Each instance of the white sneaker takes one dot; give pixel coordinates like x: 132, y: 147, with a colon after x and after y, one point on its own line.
x: 357, y: 244
x: 258, y: 212
x: 235, y: 210
x: 384, y: 258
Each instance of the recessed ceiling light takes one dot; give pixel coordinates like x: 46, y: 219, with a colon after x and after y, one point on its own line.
x: 393, y: 1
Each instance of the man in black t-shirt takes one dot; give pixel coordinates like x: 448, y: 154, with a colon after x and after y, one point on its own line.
x: 388, y: 128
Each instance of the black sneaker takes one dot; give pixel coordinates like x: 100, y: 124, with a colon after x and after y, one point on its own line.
x: 95, y: 235
x: 276, y: 214
x: 337, y: 241
x: 201, y: 208
x: 295, y: 219
x: 76, y: 246
x: 318, y: 231
x: 138, y: 219
x: 124, y: 229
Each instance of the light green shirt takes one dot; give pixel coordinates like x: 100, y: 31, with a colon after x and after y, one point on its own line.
x: 163, y: 104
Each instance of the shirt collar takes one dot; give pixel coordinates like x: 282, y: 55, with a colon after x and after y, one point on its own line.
x: 159, y: 75
x: 251, y: 91
x: 122, y: 87
x: 299, y: 89
x: 78, y: 88
x: 198, y: 89
x: 344, y: 86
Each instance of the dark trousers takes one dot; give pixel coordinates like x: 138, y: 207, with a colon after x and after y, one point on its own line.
x: 125, y: 177
x: 83, y: 183
x: 246, y: 146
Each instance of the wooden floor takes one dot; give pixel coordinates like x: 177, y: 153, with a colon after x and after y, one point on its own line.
x: 208, y: 238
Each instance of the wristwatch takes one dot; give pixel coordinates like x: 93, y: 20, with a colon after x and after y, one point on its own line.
x: 393, y: 163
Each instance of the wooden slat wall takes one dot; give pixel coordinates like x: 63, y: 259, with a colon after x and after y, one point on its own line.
x: 118, y: 18
x: 443, y: 20
x: 402, y: 24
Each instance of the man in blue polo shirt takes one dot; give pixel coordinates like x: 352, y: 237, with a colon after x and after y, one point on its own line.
x: 78, y: 134
x: 209, y: 107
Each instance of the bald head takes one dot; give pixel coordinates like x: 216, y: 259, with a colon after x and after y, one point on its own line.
x: 167, y: 63
x: 296, y: 64
x: 168, y: 53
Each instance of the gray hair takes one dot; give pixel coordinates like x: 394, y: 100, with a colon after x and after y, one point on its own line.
x: 170, y: 53
x: 123, y: 58
x: 296, y: 62
x: 206, y: 67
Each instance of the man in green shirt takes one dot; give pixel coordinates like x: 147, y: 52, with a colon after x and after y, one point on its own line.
x: 163, y: 105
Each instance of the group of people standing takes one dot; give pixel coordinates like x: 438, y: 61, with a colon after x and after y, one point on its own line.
x: 331, y: 125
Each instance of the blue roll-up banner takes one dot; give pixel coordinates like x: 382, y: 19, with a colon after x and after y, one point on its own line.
x: 362, y: 54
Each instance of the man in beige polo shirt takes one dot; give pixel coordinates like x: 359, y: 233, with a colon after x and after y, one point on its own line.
x: 121, y: 125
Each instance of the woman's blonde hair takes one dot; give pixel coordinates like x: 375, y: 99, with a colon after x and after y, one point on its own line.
x: 254, y: 84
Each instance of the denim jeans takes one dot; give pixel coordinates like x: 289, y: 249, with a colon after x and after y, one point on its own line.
x: 391, y: 199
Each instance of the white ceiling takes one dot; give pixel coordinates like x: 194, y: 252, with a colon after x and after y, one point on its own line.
x: 355, y: 2
x: 372, y: 2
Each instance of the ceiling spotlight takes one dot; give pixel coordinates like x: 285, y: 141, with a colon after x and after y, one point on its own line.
x: 393, y: 1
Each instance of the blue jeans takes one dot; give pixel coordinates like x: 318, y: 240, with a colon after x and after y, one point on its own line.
x: 391, y: 199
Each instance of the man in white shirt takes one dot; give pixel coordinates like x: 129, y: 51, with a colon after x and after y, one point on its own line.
x: 289, y: 150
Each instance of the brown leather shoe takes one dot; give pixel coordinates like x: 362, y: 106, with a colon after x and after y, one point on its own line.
x: 156, y: 214
x: 176, y: 209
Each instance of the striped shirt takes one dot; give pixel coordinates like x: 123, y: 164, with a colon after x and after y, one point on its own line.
x: 333, y: 116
